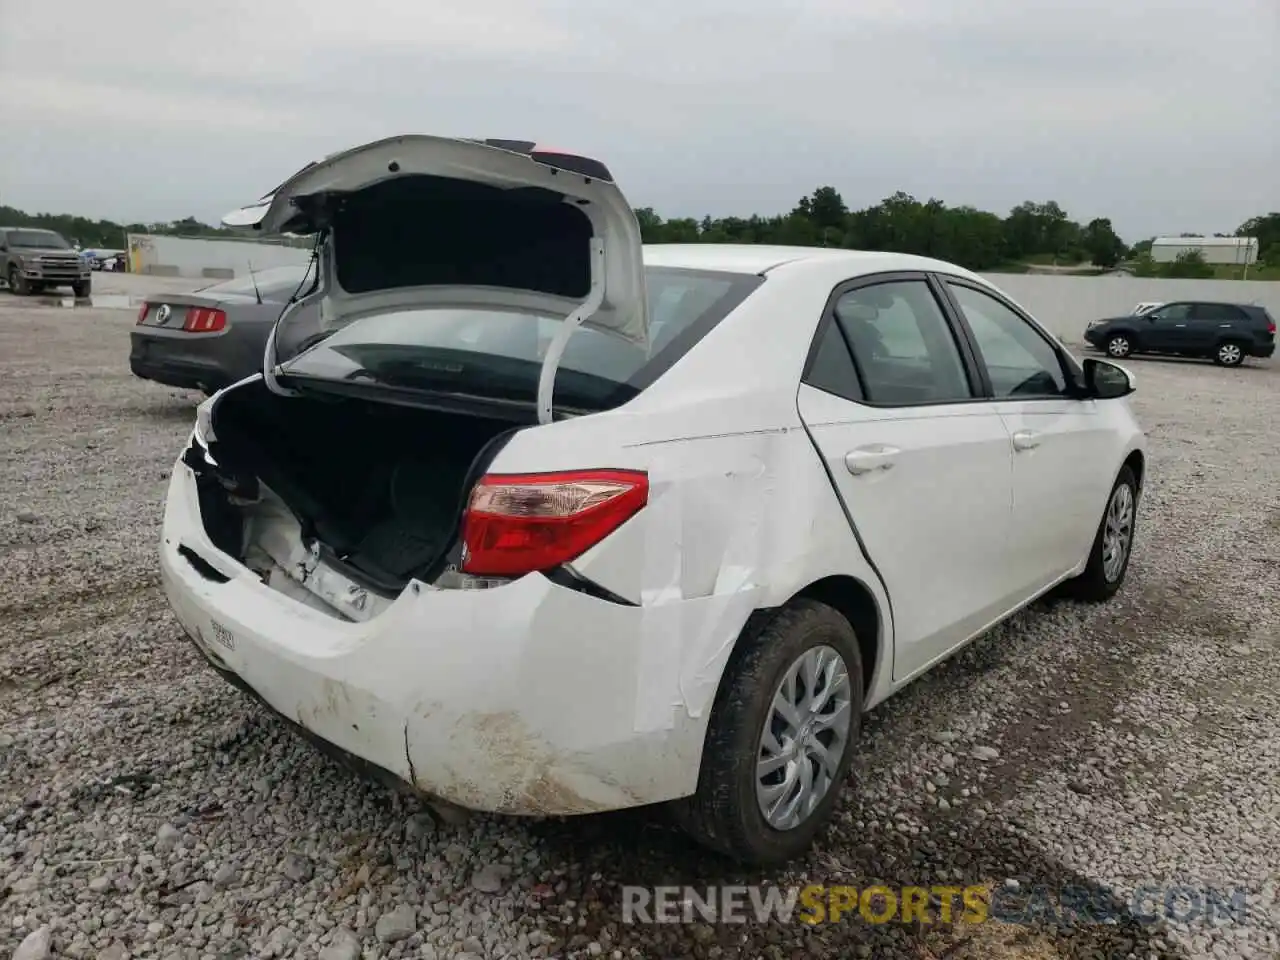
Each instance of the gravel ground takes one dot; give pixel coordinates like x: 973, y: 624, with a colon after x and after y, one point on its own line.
x: 147, y: 809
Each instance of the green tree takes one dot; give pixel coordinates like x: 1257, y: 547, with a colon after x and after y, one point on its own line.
x: 1266, y: 229
x: 1102, y: 244
x: 1188, y: 265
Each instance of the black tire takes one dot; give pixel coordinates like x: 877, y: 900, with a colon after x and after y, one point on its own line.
x: 724, y: 815
x: 17, y: 283
x: 1094, y: 585
x: 1120, y: 345
x: 82, y: 290
x: 1229, y: 353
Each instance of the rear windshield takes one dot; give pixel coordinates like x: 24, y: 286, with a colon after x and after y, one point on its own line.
x: 278, y: 283
x: 38, y: 239
x: 498, y: 354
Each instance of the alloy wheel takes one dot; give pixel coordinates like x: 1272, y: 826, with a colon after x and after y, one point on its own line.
x: 1118, y: 347
x: 1229, y: 354
x: 805, y: 736
x: 1117, y: 535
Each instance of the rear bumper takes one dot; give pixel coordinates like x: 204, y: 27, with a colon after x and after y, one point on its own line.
x: 1262, y: 351
x: 520, y: 699
x: 152, y: 358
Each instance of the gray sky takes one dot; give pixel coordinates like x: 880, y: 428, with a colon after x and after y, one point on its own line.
x: 1161, y: 114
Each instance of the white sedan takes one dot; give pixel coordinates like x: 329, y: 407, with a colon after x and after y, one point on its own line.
x: 542, y: 522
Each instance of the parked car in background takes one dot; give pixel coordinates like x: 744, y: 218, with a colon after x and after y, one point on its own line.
x: 215, y: 336
x: 34, y: 260
x: 101, y: 259
x: 1225, y: 332
x: 499, y: 539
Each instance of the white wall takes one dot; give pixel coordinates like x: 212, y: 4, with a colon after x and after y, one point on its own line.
x: 197, y: 257
x: 1066, y: 304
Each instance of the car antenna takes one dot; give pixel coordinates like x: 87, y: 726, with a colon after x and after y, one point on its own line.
x: 256, y: 292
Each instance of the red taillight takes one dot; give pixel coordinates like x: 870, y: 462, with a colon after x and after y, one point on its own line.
x: 1271, y: 327
x: 521, y: 523
x: 204, y: 320
x: 142, y: 311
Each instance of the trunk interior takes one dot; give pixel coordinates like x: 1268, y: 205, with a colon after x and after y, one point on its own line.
x: 375, y: 490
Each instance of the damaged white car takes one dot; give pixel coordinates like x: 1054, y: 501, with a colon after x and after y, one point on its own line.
x: 540, y: 522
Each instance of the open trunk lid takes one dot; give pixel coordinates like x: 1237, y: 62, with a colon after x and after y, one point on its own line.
x: 418, y: 222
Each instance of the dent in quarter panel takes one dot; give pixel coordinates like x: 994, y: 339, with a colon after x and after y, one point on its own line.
x: 734, y: 524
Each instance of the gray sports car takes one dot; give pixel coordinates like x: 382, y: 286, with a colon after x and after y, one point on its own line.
x: 215, y: 336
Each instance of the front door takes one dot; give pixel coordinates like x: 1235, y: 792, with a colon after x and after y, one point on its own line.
x: 1057, y: 441
x: 1168, y: 328
x: 922, y: 466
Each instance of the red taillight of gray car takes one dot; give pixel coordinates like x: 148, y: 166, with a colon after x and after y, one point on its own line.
x: 143, y: 311
x: 204, y: 320
x: 523, y: 523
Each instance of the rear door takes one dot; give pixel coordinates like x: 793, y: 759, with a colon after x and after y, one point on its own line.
x: 1058, y: 441
x: 1210, y: 322
x: 921, y: 462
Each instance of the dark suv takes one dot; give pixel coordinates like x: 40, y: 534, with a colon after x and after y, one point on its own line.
x: 1227, y: 332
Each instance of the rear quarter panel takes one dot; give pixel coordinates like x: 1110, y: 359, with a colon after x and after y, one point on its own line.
x: 740, y: 518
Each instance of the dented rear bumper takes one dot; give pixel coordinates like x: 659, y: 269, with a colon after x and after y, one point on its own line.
x: 521, y: 699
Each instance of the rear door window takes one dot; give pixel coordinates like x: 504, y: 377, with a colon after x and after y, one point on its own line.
x: 831, y: 367
x: 902, y: 344
x: 1216, y: 313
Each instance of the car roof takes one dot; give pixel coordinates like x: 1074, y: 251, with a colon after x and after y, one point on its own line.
x: 761, y: 258
x: 1212, y: 303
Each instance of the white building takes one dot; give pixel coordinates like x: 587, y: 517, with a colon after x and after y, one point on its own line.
x: 1241, y: 251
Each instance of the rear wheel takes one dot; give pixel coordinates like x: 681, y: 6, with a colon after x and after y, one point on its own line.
x: 781, y: 737
x: 1230, y: 353
x: 1109, y: 558
x: 1119, y: 345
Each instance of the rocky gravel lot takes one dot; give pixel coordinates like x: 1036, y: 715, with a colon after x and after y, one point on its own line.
x: 147, y: 809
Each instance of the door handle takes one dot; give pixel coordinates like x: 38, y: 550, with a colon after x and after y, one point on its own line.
x: 1026, y: 440
x: 870, y: 459
x: 1179, y: 324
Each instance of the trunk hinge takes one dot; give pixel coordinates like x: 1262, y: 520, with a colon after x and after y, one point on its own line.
x: 555, y: 349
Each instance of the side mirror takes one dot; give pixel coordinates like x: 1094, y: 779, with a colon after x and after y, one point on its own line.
x: 1104, y: 380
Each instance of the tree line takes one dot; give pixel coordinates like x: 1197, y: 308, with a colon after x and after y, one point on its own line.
x: 978, y: 239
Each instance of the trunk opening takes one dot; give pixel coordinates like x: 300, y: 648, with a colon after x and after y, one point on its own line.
x: 330, y: 499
